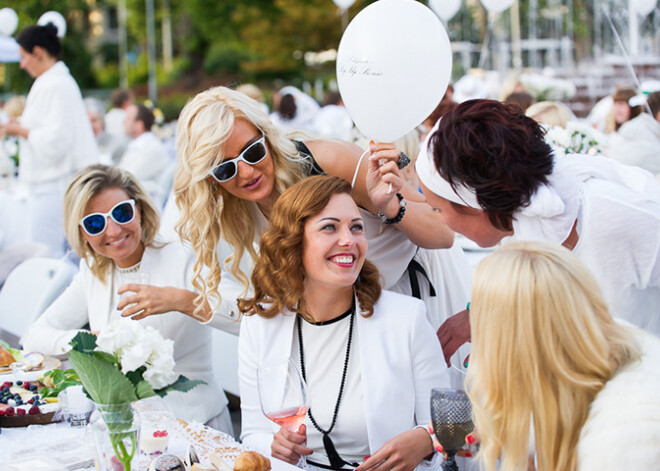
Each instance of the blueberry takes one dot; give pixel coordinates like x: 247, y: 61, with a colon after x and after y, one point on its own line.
x: 33, y: 387
x: 19, y: 382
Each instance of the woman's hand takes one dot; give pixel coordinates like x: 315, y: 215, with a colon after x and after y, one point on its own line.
x: 13, y: 128
x: 148, y: 300
x: 384, y: 180
x: 402, y: 453
x: 290, y: 446
x: 472, y: 440
x: 453, y: 333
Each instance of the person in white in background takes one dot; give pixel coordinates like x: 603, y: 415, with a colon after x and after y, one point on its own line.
x: 332, y: 121
x: 115, y: 117
x: 299, y: 110
x: 110, y: 147
x: 146, y: 157
x: 55, y: 137
x: 638, y: 141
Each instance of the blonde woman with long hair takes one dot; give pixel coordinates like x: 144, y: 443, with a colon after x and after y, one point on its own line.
x: 548, y: 357
x: 233, y: 165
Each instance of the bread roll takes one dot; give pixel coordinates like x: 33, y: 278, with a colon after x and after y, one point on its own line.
x: 6, y: 358
x: 251, y: 461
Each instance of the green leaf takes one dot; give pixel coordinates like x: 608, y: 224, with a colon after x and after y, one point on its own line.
x: 135, y: 376
x: 83, y: 342
x: 104, y: 383
x: 144, y: 389
x: 110, y: 358
x: 182, y: 384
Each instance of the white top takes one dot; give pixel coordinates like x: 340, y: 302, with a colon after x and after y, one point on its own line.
x: 325, y: 352
x: 619, y: 241
x: 88, y: 300
x: 623, y: 427
x: 146, y: 157
x: 638, y: 143
x: 400, y: 362
x: 114, y: 123
x: 60, y: 140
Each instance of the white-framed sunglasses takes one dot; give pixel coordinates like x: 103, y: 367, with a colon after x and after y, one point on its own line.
x: 122, y: 213
x: 252, y: 155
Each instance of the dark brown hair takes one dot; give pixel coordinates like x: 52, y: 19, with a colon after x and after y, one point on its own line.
x: 145, y: 115
x: 278, y: 272
x: 43, y: 36
x: 496, y: 150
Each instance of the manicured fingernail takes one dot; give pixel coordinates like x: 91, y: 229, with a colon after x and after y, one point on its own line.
x: 468, y: 454
x: 466, y: 362
x: 366, y: 458
x: 430, y: 430
x: 439, y: 449
x: 470, y: 439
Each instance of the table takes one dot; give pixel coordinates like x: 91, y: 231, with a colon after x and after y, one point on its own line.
x: 59, y: 447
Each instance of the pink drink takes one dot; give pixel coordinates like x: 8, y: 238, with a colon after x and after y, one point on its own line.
x: 290, y: 419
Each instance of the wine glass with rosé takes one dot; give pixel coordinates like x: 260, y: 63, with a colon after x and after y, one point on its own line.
x: 284, y: 395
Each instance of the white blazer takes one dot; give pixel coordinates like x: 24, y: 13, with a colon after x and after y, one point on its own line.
x: 400, y: 361
x: 88, y: 300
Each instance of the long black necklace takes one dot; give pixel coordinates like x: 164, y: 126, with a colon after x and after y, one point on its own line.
x: 336, y: 461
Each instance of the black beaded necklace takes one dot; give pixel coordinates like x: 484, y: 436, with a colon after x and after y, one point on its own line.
x: 336, y: 461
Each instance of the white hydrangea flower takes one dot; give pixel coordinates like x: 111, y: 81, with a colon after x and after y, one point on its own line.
x: 115, y: 336
x: 160, y: 368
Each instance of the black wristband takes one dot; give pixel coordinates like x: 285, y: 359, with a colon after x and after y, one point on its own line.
x: 399, y: 216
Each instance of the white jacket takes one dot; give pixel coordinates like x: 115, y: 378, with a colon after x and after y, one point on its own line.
x: 623, y: 427
x: 88, y: 300
x: 400, y: 362
x: 60, y: 140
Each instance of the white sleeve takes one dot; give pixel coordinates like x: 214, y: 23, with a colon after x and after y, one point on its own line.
x: 52, y: 143
x: 257, y: 431
x: 51, y: 333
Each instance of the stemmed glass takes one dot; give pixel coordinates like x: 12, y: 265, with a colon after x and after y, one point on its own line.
x: 284, y: 395
x: 451, y: 413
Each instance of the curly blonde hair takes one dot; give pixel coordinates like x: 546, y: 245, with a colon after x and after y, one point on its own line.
x: 207, y: 211
x: 278, y: 272
x: 84, y: 186
x: 543, y: 345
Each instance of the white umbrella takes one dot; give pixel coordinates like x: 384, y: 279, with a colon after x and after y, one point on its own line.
x: 9, y: 50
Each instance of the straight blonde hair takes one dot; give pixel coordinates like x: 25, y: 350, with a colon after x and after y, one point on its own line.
x: 543, y: 345
x: 207, y: 211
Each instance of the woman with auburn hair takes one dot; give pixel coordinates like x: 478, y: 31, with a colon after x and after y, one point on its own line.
x: 233, y: 165
x: 111, y: 223
x: 547, y: 355
x: 323, y: 307
x: 489, y: 173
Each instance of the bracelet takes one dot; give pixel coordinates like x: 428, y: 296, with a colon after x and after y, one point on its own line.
x: 399, y: 216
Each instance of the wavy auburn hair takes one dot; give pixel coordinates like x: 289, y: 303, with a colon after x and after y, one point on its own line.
x: 497, y: 151
x: 84, y: 186
x: 278, y: 272
x: 543, y: 345
x: 207, y: 211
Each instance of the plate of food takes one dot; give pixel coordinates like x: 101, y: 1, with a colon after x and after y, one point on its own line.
x: 26, y: 366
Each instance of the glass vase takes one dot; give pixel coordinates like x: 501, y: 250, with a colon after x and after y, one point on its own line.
x: 116, y: 430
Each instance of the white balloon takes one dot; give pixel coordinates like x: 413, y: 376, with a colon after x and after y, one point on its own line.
x: 393, y: 67
x: 8, y: 21
x: 644, y: 7
x: 57, y: 19
x: 496, y: 6
x: 445, y: 9
x: 344, y: 4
